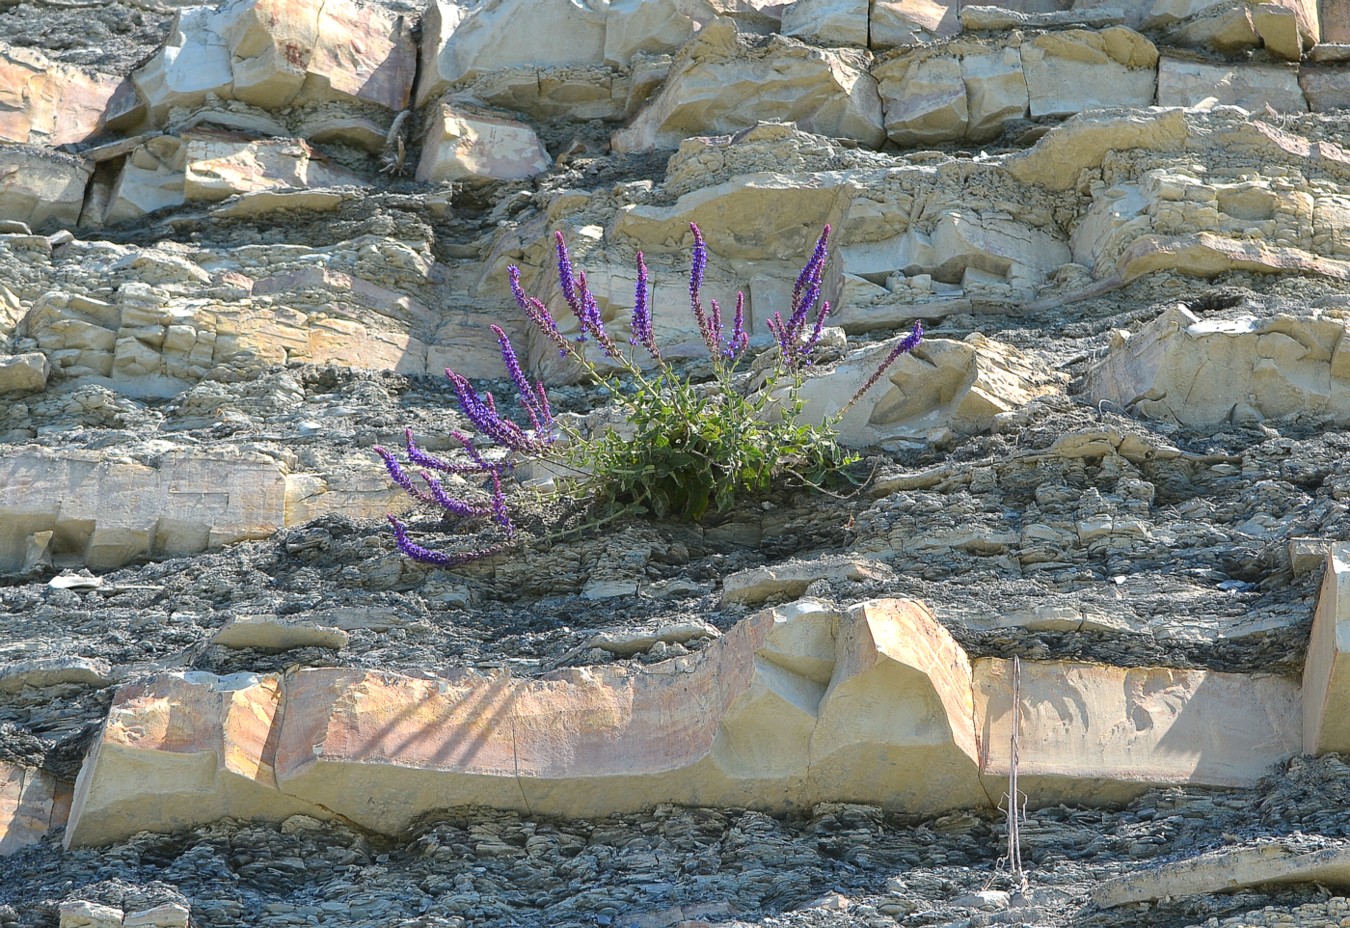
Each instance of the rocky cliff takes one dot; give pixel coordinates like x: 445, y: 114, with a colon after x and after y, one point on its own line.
x: 1101, y: 544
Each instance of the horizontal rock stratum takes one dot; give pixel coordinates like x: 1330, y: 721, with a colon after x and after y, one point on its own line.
x: 796, y: 705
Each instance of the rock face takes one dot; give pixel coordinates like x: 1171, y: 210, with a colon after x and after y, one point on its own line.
x: 32, y: 804
x: 1326, y: 726
x: 43, y: 102
x: 795, y: 705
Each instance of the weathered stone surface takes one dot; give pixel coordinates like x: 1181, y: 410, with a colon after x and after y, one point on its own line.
x: 1206, y: 372
x: 19, y: 675
x: 1278, y: 862
x: 790, y: 580
x: 220, y: 165
x: 906, y: 22
x: 179, y: 750
x: 1058, y: 158
x: 463, y: 42
x: 273, y: 633
x: 40, y: 187
x: 944, y: 386
x: 1251, y: 86
x: 463, y: 145
x: 813, y: 703
x: 721, y: 83
x: 32, y: 804
x: 827, y: 22
x: 965, y: 89
x: 1093, y: 733
x: 43, y: 102
x: 998, y: 18
x: 1068, y: 72
x: 1326, y: 675
x: 80, y: 913
x: 24, y: 372
x: 151, y: 178
x: 106, y: 509
x: 276, y: 53
x: 1325, y: 88
x: 168, y: 915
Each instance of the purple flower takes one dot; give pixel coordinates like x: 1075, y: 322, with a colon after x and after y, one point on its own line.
x: 539, y: 414
x: 642, y: 312
x: 904, y: 346
x: 536, y: 311
x: 427, y: 556
x: 400, y: 477
x: 419, y: 457
x: 482, y: 413
x: 697, y: 266
x: 739, y: 340
x: 794, y: 349
x: 449, y: 503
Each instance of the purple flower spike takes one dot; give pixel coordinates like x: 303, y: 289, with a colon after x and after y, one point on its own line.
x: 400, y: 477
x: 565, y: 276
x: 642, y: 312
x: 697, y: 266
x: 419, y: 457
x: 449, y: 503
x: 523, y: 388
x: 739, y: 340
x: 427, y: 556
x: 904, y: 346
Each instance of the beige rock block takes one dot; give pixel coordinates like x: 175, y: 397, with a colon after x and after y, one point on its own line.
x: 899, y: 706
x: 943, y: 386
x: 750, y: 719
x: 904, y: 22
x: 180, y: 750
x: 32, y: 804
x: 23, y: 373
x: 274, y: 53
x: 924, y: 98
x: 1278, y: 27
x: 43, y: 102
x: 463, y: 145
x: 790, y: 579
x: 106, y: 510
x: 721, y: 83
x: 168, y: 915
x: 1277, y: 862
x: 1058, y: 159
x: 271, y: 633
x: 651, y: 27
x: 79, y: 913
x: 306, y: 51
x: 17, y: 676
x: 1326, y: 88
x: 828, y: 22
x: 42, y: 188
x: 1181, y: 368
x: 150, y: 179
x: 219, y: 165
x: 1075, y: 70
x: 1096, y: 733
x: 1326, y: 671
x: 996, y: 91
x: 1251, y: 86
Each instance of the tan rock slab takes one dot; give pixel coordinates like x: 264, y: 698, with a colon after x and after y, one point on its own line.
x: 180, y: 750
x: 56, y: 671
x: 80, y: 913
x: 1280, y: 861
x: 906, y: 22
x: 790, y: 579
x: 1251, y: 86
x: 1205, y: 372
x: 43, y: 102
x: 41, y: 188
x: 1060, y: 156
x: 721, y: 83
x: 168, y: 915
x: 1326, y: 88
x: 828, y: 22
x: 273, y: 633
x: 1095, y: 733
x: 24, y: 373
x: 463, y: 145
x: 32, y: 804
x: 1075, y: 70
x: 1326, y: 671
x: 219, y: 165
x: 944, y: 386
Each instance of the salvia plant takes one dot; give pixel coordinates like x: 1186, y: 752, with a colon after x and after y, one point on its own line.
x: 694, y: 446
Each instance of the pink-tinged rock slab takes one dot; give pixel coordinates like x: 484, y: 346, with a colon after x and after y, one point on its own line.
x: 792, y: 706
x: 221, y: 164
x: 463, y: 145
x: 1326, y: 672
x: 32, y: 803
x: 41, y: 188
x: 178, y: 750
x: 43, y: 102
x: 1096, y: 733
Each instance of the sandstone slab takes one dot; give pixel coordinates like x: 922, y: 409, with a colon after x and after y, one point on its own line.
x: 221, y: 165
x: 721, y: 83
x: 32, y: 804
x: 1278, y: 862
x: 41, y: 188
x: 828, y: 22
x: 893, y: 23
x: 790, y: 580
x: 46, y: 103
x: 1250, y: 86
x: 1326, y: 672
x: 24, y: 372
x: 273, y: 633
x: 1206, y: 372
x: 943, y: 386
x: 798, y: 704
x: 1094, y: 733
x: 964, y: 89
x: 1076, y: 70
x: 463, y: 145
x: 277, y: 53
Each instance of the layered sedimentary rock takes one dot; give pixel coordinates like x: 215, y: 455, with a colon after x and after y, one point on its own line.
x: 32, y: 804
x: 793, y: 706
x: 1326, y: 684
